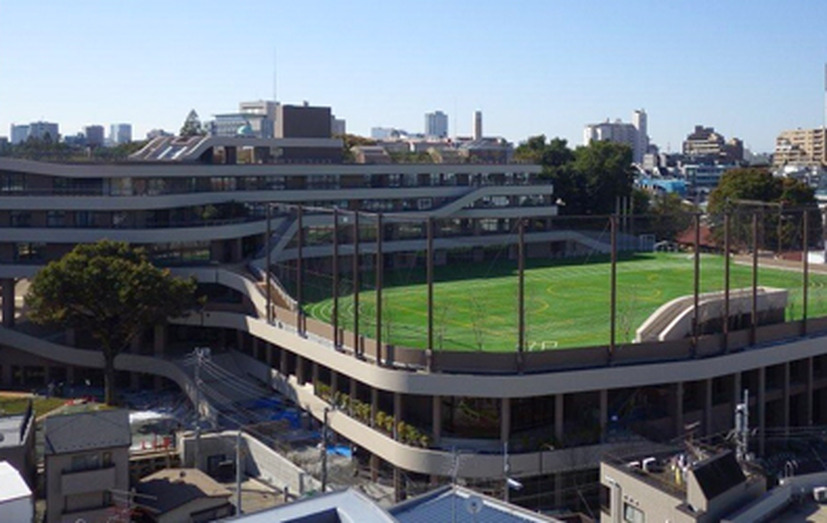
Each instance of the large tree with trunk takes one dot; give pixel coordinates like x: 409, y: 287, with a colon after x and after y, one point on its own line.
x: 110, y: 290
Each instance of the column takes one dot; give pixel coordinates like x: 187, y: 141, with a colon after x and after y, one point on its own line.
x: 374, y: 467
x: 314, y: 375
x: 374, y: 405
x: 255, y: 348
x: 708, y: 406
x: 558, y: 418
x: 299, y: 370
x: 283, y: 362
x: 268, y: 353
x: 678, y: 409
x: 353, y: 393
x: 808, y: 401
x: 604, y: 413
x: 334, y: 382
x: 505, y: 419
x: 397, y: 415
x: 436, y: 418
x: 785, y: 401
x: 398, y: 489
x: 737, y: 393
x: 160, y: 341
x: 762, y: 409
x: 8, y: 302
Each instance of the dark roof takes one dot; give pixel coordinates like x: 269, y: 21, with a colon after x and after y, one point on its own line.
x: 169, y: 489
x: 718, y: 474
x: 86, y: 431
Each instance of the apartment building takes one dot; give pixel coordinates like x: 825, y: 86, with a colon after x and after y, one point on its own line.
x: 803, y: 147
x: 87, y: 465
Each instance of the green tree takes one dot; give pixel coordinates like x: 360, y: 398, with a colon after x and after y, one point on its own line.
x: 192, y: 126
x: 111, y: 291
x: 669, y: 215
x: 780, y: 201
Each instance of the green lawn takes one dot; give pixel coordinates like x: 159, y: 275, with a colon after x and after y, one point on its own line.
x: 10, y: 405
x: 567, y: 302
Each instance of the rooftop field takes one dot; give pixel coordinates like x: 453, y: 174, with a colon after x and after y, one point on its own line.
x: 566, y: 301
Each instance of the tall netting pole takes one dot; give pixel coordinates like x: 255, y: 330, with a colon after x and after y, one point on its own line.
x: 268, y: 248
x: 696, y: 289
x: 726, y: 280
x: 300, y: 324
x: 613, y: 285
x: 429, y: 268
x: 805, y: 262
x: 521, y: 287
x: 335, y: 270
x: 380, y: 265
x: 356, y: 345
x: 754, y: 308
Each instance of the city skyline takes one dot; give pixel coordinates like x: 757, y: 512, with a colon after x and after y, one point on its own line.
x: 751, y: 71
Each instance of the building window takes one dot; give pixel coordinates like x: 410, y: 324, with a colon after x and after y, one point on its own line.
x: 633, y: 514
x: 21, y: 219
x: 28, y: 251
x: 56, y: 219
x: 85, y: 462
x: 605, y: 498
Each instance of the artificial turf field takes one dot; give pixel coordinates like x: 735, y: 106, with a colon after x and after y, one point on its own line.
x: 566, y: 302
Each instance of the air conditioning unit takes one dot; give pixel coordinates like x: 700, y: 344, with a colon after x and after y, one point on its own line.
x: 820, y: 494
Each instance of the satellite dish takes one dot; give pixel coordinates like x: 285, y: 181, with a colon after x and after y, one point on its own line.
x: 473, y: 504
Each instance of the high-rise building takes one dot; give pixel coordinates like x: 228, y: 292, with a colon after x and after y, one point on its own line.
x: 632, y: 134
x: 642, y: 138
x: 707, y: 144
x: 338, y: 127
x: 120, y: 133
x: 801, y: 147
x: 436, y: 124
x: 44, y: 131
x: 19, y: 133
x: 94, y: 135
x: 477, y: 125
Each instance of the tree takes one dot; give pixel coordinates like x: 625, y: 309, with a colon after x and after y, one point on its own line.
x: 192, y: 126
x: 589, y: 179
x: 669, y: 215
x: 111, y: 291
x: 779, y: 200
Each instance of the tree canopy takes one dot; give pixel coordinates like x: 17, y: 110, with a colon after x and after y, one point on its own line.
x: 111, y: 291
x: 192, y: 126
x: 589, y: 179
x: 780, y: 202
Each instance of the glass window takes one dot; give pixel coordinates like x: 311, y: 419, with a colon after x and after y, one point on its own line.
x: 56, y: 219
x: 633, y: 514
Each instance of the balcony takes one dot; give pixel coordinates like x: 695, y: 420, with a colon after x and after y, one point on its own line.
x: 88, y: 481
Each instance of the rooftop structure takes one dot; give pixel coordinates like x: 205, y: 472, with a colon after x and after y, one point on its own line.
x: 803, y: 147
x: 17, y: 444
x: 16, y: 500
x: 172, y: 495
x: 705, y: 143
x: 631, y: 134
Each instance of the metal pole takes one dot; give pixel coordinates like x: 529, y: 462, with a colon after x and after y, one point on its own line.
x: 238, y: 471
x: 521, y: 287
x: 754, y: 311
x: 726, y: 281
x: 430, y: 278
x: 300, y: 271
x: 197, y: 453
x: 356, y: 348
x: 697, y: 287
x: 380, y: 266
x: 269, y: 248
x: 335, y: 269
x: 613, y: 285
x: 805, y: 269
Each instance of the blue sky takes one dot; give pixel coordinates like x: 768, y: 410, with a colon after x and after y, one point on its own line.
x: 748, y: 68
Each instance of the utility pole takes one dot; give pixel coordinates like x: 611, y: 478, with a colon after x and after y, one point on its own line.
x: 268, y: 247
x: 201, y: 353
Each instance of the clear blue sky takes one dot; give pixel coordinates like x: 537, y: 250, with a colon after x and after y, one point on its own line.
x: 748, y: 68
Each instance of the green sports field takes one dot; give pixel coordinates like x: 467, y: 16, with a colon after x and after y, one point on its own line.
x: 566, y: 303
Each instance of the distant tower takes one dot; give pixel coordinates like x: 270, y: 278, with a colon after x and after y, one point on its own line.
x: 477, y: 125
x: 642, y: 138
x: 436, y: 124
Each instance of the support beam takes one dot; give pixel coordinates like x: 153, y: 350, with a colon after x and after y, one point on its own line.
x: 805, y: 272
x: 678, y: 409
x: 708, y: 406
x: 559, y: 418
x: 436, y: 418
x: 374, y: 405
x: 604, y: 413
x: 696, y: 291
x: 808, y: 401
x: 505, y: 419
x: 269, y: 257
x: 429, y: 266
x: 397, y: 414
x: 785, y: 401
x: 8, y: 302
x: 521, y: 289
x: 762, y: 409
